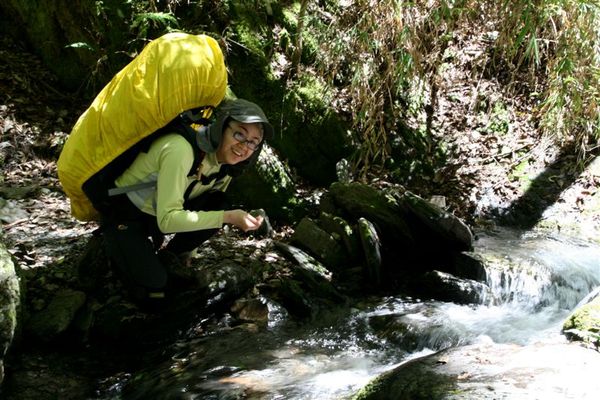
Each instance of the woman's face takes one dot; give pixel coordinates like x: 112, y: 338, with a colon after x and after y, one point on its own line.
x: 239, y: 141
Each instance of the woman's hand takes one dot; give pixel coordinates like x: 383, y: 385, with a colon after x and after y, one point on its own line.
x: 242, y: 220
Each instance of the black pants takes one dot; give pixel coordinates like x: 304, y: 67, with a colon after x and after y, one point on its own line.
x: 132, y: 239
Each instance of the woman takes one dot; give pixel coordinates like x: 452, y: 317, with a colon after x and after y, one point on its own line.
x: 173, y: 199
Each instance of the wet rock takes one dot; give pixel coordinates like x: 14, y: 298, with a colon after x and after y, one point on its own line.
x: 372, y: 250
x: 309, y: 235
x: 437, y: 226
x: 413, y: 331
x: 492, y: 371
x: 9, y: 304
x: 49, y: 323
x: 358, y: 200
x: 584, y: 324
x: 253, y: 310
x: 221, y: 283
x: 469, y: 266
x: 336, y: 225
x: 443, y: 286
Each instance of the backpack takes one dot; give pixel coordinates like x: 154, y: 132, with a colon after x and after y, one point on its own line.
x: 100, y: 187
x: 173, y: 74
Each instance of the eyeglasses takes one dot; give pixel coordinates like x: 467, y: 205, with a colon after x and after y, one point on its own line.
x: 240, y: 137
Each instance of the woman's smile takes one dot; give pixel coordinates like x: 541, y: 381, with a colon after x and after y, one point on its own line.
x: 239, y: 141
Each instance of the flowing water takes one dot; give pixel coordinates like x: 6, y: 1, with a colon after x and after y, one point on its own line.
x: 536, y: 282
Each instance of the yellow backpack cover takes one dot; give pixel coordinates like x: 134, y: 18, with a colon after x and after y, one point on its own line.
x: 172, y: 74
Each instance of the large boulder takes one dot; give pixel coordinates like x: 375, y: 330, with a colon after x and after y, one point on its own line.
x: 410, y: 332
x: 9, y: 304
x: 435, y: 226
x: 355, y: 200
x: 415, y: 235
x: 492, y: 371
x: 267, y: 185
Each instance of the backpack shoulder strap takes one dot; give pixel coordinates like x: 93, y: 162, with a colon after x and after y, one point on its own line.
x: 180, y: 125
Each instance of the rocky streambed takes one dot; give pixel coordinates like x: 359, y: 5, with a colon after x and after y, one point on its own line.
x: 370, y: 280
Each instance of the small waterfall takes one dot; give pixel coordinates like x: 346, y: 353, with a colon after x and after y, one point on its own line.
x: 544, y: 272
x: 535, y: 283
x: 520, y: 283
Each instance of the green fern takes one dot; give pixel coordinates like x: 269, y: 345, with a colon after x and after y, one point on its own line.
x: 144, y: 22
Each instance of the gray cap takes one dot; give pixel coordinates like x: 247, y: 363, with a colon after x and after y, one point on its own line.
x: 246, y: 112
x: 240, y: 110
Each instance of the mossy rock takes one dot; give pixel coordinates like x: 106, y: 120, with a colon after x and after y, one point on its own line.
x: 487, y: 371
x: 436, y: 225
x: 310, y: 134
x: 57, y: 317
x: 267, y: 185
x: 327, y: 248
x: 315, y: 137
x: 584, y: 324
x: 358, y: 200
x: 411, y: 381
x: 9, y: 303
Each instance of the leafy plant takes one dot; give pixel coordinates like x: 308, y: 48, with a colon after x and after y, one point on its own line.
x: 557, y: 41
x: 386, y: 56
x: 143, y: 23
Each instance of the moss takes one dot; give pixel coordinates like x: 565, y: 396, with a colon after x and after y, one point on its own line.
x: 317, y: 139
x: 9, y: 300
x: 411, y: 381
x: 267, y: 185
x: 499, y: 123
x: 290, y: 17
x: 251, y: 40
x: 584, y: 323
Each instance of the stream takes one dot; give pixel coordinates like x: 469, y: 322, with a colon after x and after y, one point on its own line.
x: 536, y: 283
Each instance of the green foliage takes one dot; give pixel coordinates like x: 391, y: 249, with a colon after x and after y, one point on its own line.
x: 121, y: 29
x: 499, y: 120
x: 557, y: 40
x: 387, y: 56
x: 144, y: 23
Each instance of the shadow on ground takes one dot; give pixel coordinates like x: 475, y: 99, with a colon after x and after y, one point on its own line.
x: 546, y: 189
